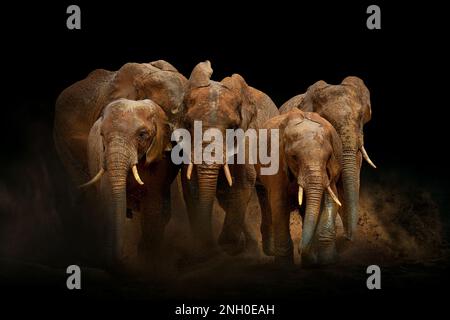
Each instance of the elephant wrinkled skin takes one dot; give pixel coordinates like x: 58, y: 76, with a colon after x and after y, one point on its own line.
x: 310, y: 163
x: 81, y: 104
x: 131, y: 174
x: 347, y: 107
x: 229, y: 104
x: 106, y: 132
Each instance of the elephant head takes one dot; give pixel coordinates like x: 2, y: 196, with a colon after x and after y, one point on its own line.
x: 129, y: 134
x: 347, y: 107
x: 312, y: 150
x: 228, y: 104
x: 82, y: 103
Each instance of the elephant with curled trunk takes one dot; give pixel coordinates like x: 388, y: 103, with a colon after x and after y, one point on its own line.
x: 347, y: 107
x: 131, y: 174
x: 310, y: 164
x: 229, y: 104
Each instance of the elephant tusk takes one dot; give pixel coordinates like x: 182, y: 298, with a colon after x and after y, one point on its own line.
x: 228, y: 174
x: 366, y: 157
x: 300, y: 195
x: 136, y: 175
x: 333, y: 196
x: 189, y: 171
x: 94, y: 179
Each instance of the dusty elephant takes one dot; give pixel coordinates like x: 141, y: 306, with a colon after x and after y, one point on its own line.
x: 310, y: 163
x: 229, y: 104
x: 347, y: 107
x: 78, y: 113
x: 80, y: 105
x: 132, y: 175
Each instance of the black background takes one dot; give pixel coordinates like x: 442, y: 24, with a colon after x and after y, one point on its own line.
x: 278, y: 47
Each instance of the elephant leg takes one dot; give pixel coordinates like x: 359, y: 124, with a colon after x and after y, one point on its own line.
x: 251, y: 243
x: 232, y: 238
x: 280, y: 221
x: 266, y: 221
x: 325, y: 238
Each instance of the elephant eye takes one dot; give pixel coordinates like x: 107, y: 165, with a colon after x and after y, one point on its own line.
x: 143, y: 134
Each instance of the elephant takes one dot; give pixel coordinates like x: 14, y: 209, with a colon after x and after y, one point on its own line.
x: 229, y: 104
x: 347, y: 107
x: 80, y: 105
x: 292, y: 103
x: 81, y: 109
x: 310, y: 153
x: 130, y: 137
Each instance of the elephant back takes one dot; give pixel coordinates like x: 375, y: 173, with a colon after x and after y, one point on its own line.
x: 292, y: 103
x: 76, y: 110
x: 266, y: 108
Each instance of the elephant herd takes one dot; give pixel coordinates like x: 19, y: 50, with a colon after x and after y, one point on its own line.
x: 113, y: 134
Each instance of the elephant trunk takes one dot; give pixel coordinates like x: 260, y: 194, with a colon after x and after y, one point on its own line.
x: 314, y: 192
x: 350, y: 182
x: 207, y: 185
x: 118, y: 163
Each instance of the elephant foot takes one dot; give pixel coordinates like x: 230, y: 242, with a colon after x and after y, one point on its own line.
x: 268, y: 246
x: 204, y: 250
x: 284, y: 255
x: 321, y: 255
x: 309, y: 258
x: 284, y: 261
x: 232, y: 244
x: 251, y: 246
x: 327, y: 255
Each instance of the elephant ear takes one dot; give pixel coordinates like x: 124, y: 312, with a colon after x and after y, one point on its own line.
x: 293, y: 103
x: 163, y: 65
x: 127, y: 82
x: 279, y: 123
x: 362, y: 93
x: 165, y: 88
x: 161, y: 140
x: 96, y: 157
x: 248, y: 109
x: 334, y: 166
x: 313, y: 99
x: 201, y: 75
x: 291, y: 118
